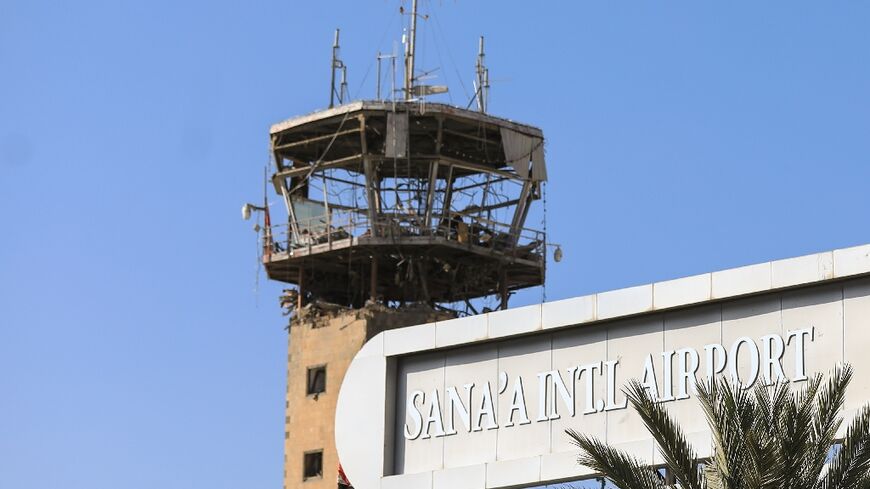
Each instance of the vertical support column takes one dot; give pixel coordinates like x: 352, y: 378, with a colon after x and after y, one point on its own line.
x: 293, y: 235
x: 277, y: 160
x: 448, y: 194
x: 430, y: 196
x: 433, y: 175
x: 483, y: 197
x: 371, y: 178
x: 521, y: 212
x: 281, y: 187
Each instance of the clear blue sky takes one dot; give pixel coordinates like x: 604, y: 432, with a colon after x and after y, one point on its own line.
x: 683, y: 137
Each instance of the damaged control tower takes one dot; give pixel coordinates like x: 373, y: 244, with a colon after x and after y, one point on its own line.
x: 399, y: 212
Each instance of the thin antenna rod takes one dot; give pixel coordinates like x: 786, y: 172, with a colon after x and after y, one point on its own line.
x: 409, y: 59
x: 393, y: 79
x: 482, y: 79
x: 379, y: 76
x: 337, y: 64
x: 332, y: 71
x: 392, y: 58
x: 342, y: 93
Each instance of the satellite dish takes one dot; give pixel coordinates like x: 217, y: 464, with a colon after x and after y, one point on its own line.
x: 557, y: 255
x: 246, y: 211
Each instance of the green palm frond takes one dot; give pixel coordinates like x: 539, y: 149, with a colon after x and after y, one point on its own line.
x: 826, y: 422
x: 796, y: 437
x: 767, y: 437
x: 679, y: 456
x: 731, y: 414
x: 770, y: 402
x: 850, y: 466
x: 623, y: 470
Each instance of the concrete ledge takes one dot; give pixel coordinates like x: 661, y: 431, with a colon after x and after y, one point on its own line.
x: 625, y: 302
x: 682, y: 291
x: 569, y: 312
x: 741, y: 281
x: 514, y: 321
x: 409, y: 339
x: 513, y: 472
x: 470, y: 477
x: 802, y: 270
x: 462, y: 330
x: 852, y: 261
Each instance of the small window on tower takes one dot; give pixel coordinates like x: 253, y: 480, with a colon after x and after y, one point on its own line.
x: 313, y: 465
x: 316, y: 380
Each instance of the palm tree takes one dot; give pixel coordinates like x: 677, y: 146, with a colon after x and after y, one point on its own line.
x: 765, y: 438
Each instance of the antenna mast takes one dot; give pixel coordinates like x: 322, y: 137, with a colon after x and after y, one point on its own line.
x: 482, y: 79
x: 409, y: 53
x: 337, y: 64
x: 392, y: 58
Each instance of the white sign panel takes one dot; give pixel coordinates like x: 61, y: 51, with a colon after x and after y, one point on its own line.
x: 483, y: 402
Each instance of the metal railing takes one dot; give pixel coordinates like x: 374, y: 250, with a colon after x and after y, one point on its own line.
x: 324, y: 233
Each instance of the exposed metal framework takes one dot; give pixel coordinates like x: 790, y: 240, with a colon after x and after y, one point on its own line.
x: 398, y: 202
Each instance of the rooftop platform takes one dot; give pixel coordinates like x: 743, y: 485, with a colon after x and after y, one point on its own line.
x: 407, y: 202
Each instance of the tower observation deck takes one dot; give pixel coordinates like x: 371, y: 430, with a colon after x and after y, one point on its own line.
x: 405, y: 201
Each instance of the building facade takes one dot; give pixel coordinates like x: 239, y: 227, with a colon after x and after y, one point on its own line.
x: 482, y: 402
